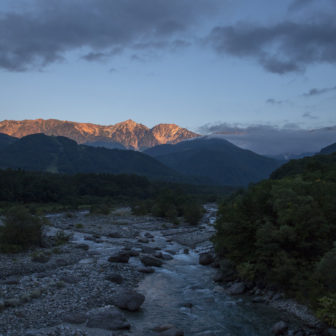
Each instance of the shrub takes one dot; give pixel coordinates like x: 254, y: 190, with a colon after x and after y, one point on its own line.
x: 21, y: 229
x: 192, y: 213
x: 100, y: 209
x: 327, y: 310
x: 61, y: 238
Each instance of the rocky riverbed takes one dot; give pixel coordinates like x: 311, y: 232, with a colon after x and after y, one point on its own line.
x: 126, y: 275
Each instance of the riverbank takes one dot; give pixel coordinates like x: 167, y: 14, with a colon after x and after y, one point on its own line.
x: 65, y: 289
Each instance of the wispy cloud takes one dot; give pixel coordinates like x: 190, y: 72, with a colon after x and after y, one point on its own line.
x: 316, y: 92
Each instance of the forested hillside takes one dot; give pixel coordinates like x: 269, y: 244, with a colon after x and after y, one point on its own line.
x: 282, y: 231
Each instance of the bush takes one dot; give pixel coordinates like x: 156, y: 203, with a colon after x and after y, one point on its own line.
x: 21, y: 230
x: 192, y: 213
x: 327, y: 310
x: 100, y: 209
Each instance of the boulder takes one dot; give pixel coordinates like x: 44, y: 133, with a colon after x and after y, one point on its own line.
x: 148, y: 250
x: 128, y: 299
x: 163, y: 327
x: 151, y: 261
x: 279, y: 328
x: 74, y: 318
x: 172, y: 332
x: 166, y: 256
x: 146, y: 270
x: 83, y: 246
x: 114, y: 277
x: 108, y: 319
x: 237, y: 289
x: 206, y: 259
x: 331, y: 332
x: 114, y: 234
x: 120, y: 257
x: 70, y: 278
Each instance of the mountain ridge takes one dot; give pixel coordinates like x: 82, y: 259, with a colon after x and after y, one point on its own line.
x: 129, y: 134
x: 57, y: 154
x: 216, y: 159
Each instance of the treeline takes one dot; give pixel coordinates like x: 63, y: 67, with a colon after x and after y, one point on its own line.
x: 282, y: 232
x: 40, y: 192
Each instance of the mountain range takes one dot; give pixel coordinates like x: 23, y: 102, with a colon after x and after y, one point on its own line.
x: 123, y: 135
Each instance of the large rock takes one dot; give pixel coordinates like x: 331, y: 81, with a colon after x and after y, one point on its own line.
x: 74, y: 318
x: 237, y: 289
x: 128, y: 299
x: 121, y: 257
x: 114, y: 277
x: 172, y: 332
x: 151, y: 261
x: 206, y: 258
x: 279, y: 328
x: 108, y: 319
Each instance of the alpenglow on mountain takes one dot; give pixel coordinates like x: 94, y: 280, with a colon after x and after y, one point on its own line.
x: 127, y: 134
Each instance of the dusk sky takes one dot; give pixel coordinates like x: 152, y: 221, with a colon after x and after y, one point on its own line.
x: 190, y: 62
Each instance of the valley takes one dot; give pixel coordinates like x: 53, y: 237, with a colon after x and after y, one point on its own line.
x: 66, y: 287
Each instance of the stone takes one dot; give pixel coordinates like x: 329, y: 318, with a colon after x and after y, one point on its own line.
x: 331, y: 332
x: 13, y: 302
x: 128, y: 299
x: 40, y: 258
x: 143, y: 240
x: 237, y: 288
x: 206, y: 259
x: 120, y: 257
x: 83, y: 246
x: 186, y: 251
x: 218, y: 277
x: 35, y: 293
x: 74, y: 318
x: 146, y: 270
x: 148, y: 235
x: 164, y: 327
x: 166, y: 256
x: 258, y: 299
x: 2, y: 304
x: 151, y: 261
x: 61, y: 262
x: 148, y: 250
x: 114, y: 277
x: 108, y: 319
x: 172, y: 332
x: 70, y: 279
x: 12, y: 280
x: 114, y: 234
x: 279, y: 328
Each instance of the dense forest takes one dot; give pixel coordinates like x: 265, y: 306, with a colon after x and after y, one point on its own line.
x: 282, y: 232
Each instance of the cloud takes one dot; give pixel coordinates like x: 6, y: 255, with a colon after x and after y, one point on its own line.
x: 274, y: 101
x: 272, y: 140
x: 42, y: 32
x: 316, y: 92
x: 279, y: 48
x: 308, y: 115
x: 299, y: 4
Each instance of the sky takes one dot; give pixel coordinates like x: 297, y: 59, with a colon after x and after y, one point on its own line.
x: 207, y: 65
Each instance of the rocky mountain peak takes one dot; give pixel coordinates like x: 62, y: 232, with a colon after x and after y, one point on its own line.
x: 129, y: 134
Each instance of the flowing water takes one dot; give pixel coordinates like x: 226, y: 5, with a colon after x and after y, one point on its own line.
x: 181, y: 282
